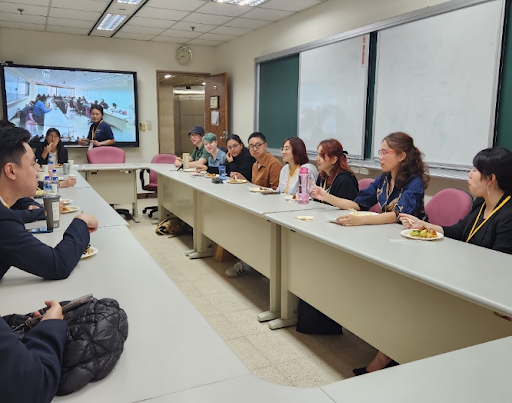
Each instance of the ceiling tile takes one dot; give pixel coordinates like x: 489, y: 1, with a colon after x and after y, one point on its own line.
x: 150, y: 22
x: 68, y: 30
x: 218, y: 38
x: 84, y: 5
x: 27, y: 9
x: 181, y: 34
x: 185, y: 26
x: 31, y: 2
x: 203, y: 43
x: 168, y: 39
x: 63, y: 22
x: 185, y: 5
x: 26, y: 19
x: 266, y: 14
x: 161, y: 13
x: 231, y: 10
x: 97, y: 32
x: 286, y: 5
x: 20, y: 25
x: 75, y: 14
x: 247, y: 23
x: 207, y: 19
x: 141, y: 30
x: 230, y: 31
x: 138, y: 37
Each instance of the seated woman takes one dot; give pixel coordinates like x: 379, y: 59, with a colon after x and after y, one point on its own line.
x: 217, y: 156
x: 336, y: 180
x: 239, y: 160
x: 295, y: 156
x: 399, y: 189
x: 488, y: 224
x: 52, y: 146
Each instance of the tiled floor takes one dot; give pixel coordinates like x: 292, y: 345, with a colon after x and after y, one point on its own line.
x: 282, y: 356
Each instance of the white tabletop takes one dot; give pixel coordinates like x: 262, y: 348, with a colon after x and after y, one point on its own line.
x: 471, y: 272
x: 170, y: 346
x: 238, y: 195
x: 106, y: 167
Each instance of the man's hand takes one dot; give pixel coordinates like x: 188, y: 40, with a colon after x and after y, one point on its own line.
x: 32, y: 207
x: 90, y: 220
x: 55, y: 311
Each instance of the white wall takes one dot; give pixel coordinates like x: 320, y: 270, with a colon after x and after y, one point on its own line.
x: 236, y: 57
x: 53, y: 49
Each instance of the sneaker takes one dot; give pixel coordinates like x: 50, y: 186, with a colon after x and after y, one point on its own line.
x: 238, y: 269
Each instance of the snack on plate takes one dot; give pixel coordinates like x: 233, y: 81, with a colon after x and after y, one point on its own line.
x: 294, y: 197
x: 424, y: 233
x: 88, y: 249
x: 305, y: 217
x: 64, y: 208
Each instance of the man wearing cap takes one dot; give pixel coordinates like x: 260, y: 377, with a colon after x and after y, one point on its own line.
x: 199, y: 156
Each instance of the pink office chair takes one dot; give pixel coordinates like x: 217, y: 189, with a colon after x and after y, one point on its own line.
x: 363, y: 184
x: 109, y: 155
x: 152, y: 186
x: 106, y: 155
x: 448, y: 206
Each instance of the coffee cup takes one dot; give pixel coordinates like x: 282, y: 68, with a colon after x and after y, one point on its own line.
x: 186, y: 160
x: 52, y: 209
x: 45, y: 170
x: 71, y: 163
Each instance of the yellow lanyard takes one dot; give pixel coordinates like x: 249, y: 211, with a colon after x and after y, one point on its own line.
x: 94, y: 130
x: 290, y: 179
x: 4, y: 203
x: 473, y: 230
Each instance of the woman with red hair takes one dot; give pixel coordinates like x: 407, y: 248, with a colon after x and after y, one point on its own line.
x: 335, y: 177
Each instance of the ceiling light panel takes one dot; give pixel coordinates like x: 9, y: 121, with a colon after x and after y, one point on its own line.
x: 251, y: 3
x: 111, y: 22
x: 134, y: 2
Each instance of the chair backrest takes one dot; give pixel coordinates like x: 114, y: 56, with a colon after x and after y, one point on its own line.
x: 448, y: 206
x: 364, y: 183
x: 88, y: 111
x: 160, y: 159
x: 106, y: 155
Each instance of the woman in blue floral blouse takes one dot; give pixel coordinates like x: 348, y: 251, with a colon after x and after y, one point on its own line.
x: 399, y: 189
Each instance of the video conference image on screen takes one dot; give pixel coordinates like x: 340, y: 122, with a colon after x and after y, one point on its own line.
x: 40, y: 98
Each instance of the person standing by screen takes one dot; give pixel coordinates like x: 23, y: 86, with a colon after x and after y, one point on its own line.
x: 100, y: 133
x: 39, y: 111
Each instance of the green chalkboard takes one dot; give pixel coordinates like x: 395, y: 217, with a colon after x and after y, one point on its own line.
x: 504, y: 119
x: 278, y: 98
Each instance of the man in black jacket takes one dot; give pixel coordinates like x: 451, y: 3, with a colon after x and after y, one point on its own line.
x: 18, y: 178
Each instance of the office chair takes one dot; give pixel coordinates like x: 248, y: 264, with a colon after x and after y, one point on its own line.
x: 109, y: 155
x: 152, y: 185
x: 363, y: 184
x: 448, y: 206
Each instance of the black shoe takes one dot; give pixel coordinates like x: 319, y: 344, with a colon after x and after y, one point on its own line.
x: 362, y: 371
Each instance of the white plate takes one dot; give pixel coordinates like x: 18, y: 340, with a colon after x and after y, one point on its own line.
x: 190, y: 170
x: 211, y: 176
x: 66, y: 201
x: 258, y: 189
x: 407, y: 233
x: 290, y: 198
x: 70, y: 209
x: 236, y: 181
x: 92, y: 252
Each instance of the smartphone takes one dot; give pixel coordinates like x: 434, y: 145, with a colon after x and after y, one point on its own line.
x: 40, y: 230
x: 65, y: 308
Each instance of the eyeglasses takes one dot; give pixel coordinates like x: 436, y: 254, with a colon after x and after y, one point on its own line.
x: 383, y: 153
x: 233, y: 147
x: 285, y: 149
x: 256, y: 146
x: 193, y: 135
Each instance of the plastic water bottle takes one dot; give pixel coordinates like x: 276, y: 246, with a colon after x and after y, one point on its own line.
x: 47, y: 186
x: 55, y: 186
x: 51, y: 164
x: 222, y: 172
x: 303, y: 185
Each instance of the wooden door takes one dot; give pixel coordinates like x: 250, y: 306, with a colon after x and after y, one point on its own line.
x: 216, y: 107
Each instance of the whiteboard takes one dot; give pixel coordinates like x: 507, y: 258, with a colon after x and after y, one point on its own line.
x: 332, y: 94
x: 436, y: 80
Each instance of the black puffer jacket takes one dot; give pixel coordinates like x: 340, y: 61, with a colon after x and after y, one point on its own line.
x: 96, y: 335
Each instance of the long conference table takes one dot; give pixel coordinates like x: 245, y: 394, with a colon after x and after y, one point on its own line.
x: 173, y: 355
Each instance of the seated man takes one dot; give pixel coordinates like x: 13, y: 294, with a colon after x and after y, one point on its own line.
x: 18, y: 178
x: 199, y: 156
x: 30, y: 369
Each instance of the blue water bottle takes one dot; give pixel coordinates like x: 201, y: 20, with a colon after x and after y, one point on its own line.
x: 222, y: 172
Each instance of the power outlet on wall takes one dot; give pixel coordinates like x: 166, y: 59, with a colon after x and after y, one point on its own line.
x: 142, y: 127
x: 148, y: 125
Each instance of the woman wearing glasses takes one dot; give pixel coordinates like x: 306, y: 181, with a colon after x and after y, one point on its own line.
x: 52, y: 146
x: 295, y: 156
x: 335, y: 179
x: 239, y: 160
x: 399, y: 189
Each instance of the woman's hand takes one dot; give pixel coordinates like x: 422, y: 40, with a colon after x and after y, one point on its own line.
x: 317, y: 192
x: 351, y: 220
x: 236, y: 175
x: 229, y: 158
x: 46, y: 150
x: 411, y: 222
x: 82, y: 142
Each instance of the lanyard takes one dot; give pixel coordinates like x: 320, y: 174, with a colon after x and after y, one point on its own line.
x: 4, y: 203
x: 473, y: 230
x: 290, y: 179
x: 94, y: 130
